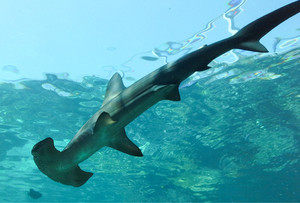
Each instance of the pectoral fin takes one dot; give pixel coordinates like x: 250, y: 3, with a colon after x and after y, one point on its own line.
x: 173, y: 94
x: 122, y: 143
x: 103, y: 120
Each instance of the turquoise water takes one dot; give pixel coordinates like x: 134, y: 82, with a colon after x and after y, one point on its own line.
x: 233, y: 137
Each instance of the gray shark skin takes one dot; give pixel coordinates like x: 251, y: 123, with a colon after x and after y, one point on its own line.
x: 122, y: 105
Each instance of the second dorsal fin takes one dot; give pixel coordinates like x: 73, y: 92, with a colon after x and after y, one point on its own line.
x: 114, y: 87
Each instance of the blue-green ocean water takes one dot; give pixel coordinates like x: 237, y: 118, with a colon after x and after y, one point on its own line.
x: 233, y: 137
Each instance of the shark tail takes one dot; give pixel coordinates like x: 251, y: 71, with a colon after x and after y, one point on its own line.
x: 47, y: 157
x: 250, y: 35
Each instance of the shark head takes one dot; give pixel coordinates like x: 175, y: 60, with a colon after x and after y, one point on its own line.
x: 45, y: 154
x: 48, y: 159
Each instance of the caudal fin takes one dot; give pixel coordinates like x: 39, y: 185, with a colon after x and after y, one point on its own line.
x: 47, y: 159
x: 250, y: 35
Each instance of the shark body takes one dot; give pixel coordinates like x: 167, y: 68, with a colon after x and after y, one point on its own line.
x: 122, y: 105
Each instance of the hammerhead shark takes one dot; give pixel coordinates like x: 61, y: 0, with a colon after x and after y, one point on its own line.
x: 122, y: 105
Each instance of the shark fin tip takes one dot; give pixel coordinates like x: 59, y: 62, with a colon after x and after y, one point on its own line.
x: 253, y: 46
x: 174, y: 94
x: 114, y: 87
x: 123, y: 144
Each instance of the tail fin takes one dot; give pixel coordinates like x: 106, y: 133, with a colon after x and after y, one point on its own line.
x: 250, y: 35
x: 47, y: 159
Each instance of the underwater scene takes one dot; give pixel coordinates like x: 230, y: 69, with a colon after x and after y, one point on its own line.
x: 233, y: 137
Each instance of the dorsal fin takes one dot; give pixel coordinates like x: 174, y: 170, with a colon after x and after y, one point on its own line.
x: 114, y: 87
